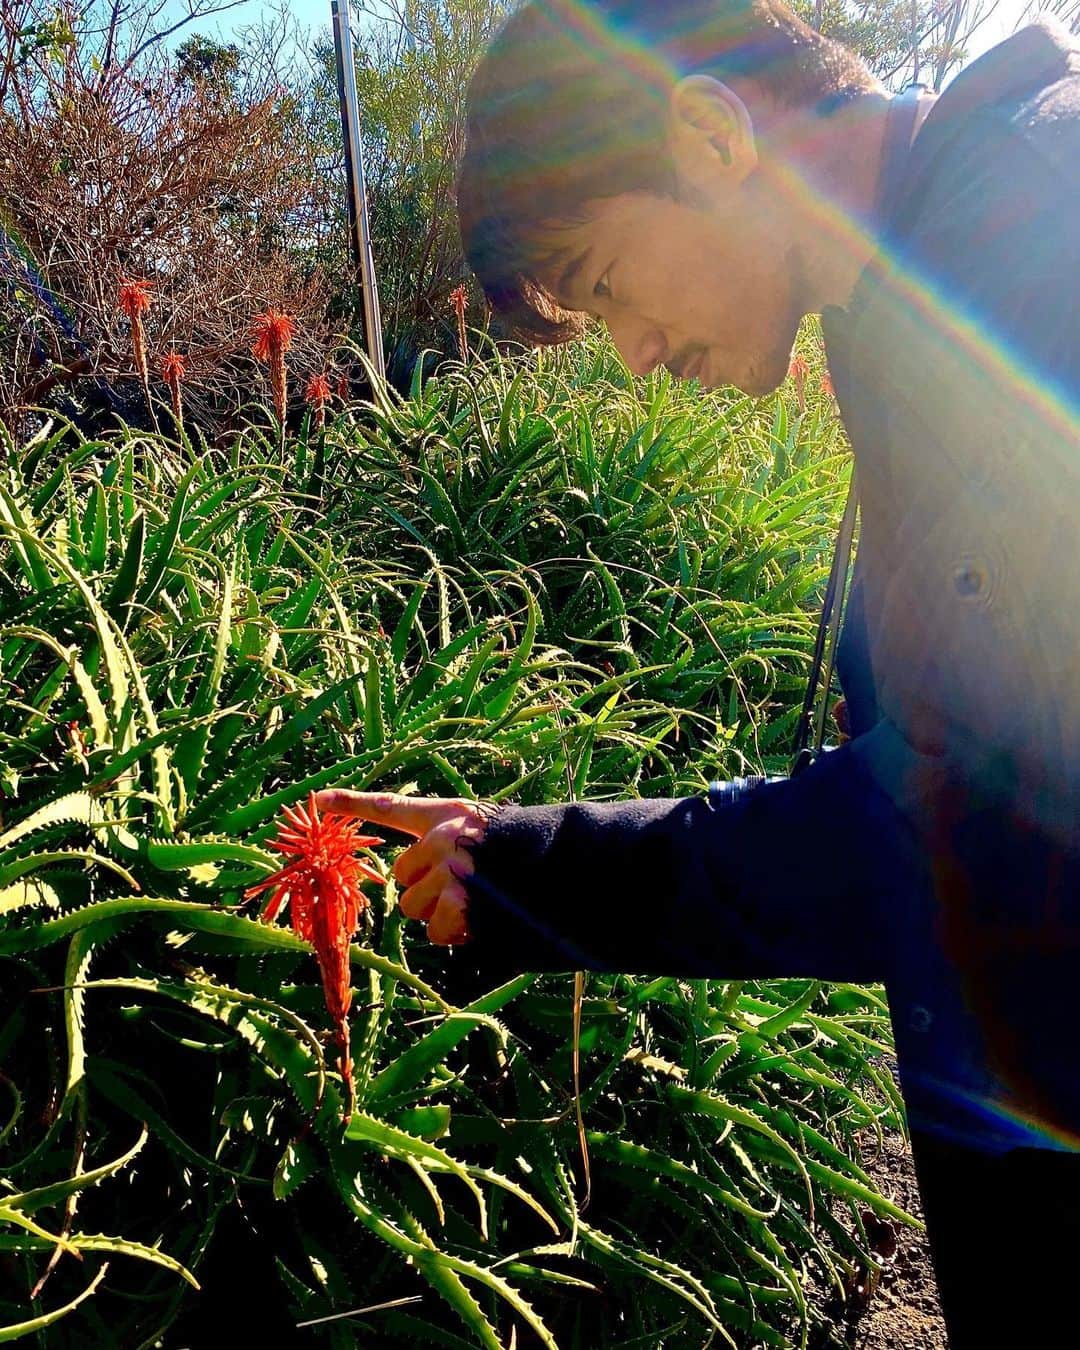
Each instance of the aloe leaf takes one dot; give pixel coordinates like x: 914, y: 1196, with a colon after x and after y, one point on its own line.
x: 41, y: 858
x: 165, y: 540
x: 110, y: 1083
x: 119, y: 595
x: 16, y: 1330
x: 189, y: 757
x: 74, y: 808
x: 26, y: 1202
x: 205, y: 918
x: 12, y: 1215
x: 412, y: 1066
x: 235, y: 787
x: 400, y: 640
x: 399, y: 1143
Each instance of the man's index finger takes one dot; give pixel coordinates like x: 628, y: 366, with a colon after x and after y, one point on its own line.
x: 411, y: 815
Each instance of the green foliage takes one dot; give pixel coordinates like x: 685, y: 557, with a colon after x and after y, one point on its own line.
x: 529, y: 576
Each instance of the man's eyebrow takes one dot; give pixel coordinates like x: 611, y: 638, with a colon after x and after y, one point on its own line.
x: 571, y: 271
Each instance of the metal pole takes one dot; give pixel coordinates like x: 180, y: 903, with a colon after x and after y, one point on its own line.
x: 359, y: 231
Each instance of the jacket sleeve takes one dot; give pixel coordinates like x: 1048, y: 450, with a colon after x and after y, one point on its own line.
x: 804, y: 876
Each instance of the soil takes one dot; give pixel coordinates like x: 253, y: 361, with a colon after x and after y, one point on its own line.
x: 902, y: 1311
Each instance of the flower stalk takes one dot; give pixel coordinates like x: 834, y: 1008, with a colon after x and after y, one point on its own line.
x: 317, y: 395
x: 459, y: 299
x: 274, y: 332
x: 135, y: 299
x: 321, y: 884
x: 173, y: 372
x: 799, y: 370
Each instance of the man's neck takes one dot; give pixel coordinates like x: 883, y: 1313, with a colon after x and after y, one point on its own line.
x: 826, y: 173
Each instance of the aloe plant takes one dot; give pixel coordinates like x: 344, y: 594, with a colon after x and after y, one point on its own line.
x: 532, y: 578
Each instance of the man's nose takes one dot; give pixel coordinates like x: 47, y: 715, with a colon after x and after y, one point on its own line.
x: 641, y: 346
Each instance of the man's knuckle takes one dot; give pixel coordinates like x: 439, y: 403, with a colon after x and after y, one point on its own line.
x: 404, y: 868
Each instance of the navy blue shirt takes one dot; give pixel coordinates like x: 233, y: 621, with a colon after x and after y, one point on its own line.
x: 951, y: 868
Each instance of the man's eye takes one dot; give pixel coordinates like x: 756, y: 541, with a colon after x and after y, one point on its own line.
x: 603, y: 286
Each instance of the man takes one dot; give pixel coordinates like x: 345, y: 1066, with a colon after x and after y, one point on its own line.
x: 700, y: 174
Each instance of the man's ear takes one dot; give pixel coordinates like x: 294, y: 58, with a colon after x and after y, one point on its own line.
x: 711, y: 136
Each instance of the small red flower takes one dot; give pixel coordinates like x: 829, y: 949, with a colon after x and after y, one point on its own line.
x: 135, y: 298
x: 274, y: 332
x: 321, y: 884
x: 173, y: 368
x: 827, y: 385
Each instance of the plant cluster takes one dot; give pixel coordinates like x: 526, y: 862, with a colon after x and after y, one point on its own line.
x: 529, y: 579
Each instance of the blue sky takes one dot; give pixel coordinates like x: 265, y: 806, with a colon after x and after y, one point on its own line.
x: 310, y: 16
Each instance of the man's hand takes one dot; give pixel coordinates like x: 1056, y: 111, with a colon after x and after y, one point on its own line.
x: 430, y: 870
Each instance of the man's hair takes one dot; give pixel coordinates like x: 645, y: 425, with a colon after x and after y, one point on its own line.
x: 570, y: 104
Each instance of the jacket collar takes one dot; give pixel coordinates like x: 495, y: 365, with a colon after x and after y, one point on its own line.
x: 1027, y: 61
x: 1015, y: 69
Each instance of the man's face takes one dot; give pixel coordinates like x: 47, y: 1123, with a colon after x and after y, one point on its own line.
x: 709, y: 292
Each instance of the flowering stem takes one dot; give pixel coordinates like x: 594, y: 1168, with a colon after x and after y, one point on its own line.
x: 274, y: 332
x: 173, y: 371
x: 345, y: 1065
x: 278, y: 383
x: 135, y: 299
x: 459, y: 299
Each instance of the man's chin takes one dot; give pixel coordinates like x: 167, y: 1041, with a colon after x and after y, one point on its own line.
x: 758, y: 383
x: 760, y: 379
x: 769, y: 375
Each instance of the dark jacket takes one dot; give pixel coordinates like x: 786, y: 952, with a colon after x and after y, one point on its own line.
x: 938, y: 850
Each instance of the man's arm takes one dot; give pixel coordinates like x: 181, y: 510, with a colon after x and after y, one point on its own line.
x: 802, y: 877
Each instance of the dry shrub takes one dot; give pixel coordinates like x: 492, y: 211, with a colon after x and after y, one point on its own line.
x: 117, y: 159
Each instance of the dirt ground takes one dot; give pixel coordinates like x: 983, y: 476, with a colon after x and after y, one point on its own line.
x: 902, y: 1312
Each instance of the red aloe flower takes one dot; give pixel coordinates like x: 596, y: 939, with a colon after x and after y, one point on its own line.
x: 322, y: 887
x: 459, y: 298
x: 274, y: 332
x: 827, y: 385
x: 318, y: 395
x: 134, y: 299
x: 798, y: 370
x: 173, y: 370
x: 321, y: 884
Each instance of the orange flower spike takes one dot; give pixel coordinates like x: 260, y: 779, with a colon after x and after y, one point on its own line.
x: 135, y: 298
x: 318, y: 395
x: 827, y: 385
x: 322, y: 886
x: 173, y: 371
x: 798, y: 370
x: 274, y: 332
x: 459, y: 299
